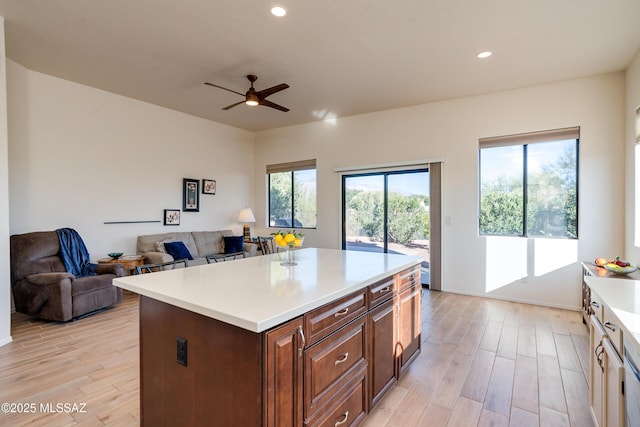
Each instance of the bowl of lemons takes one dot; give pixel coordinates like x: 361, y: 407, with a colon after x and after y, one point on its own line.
x: 290, y: 239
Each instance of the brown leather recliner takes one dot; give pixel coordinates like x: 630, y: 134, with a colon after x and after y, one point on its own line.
x: 42, y: 287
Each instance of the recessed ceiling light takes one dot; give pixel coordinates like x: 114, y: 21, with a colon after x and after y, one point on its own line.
x: 484, y: 54
x: 278, y: 11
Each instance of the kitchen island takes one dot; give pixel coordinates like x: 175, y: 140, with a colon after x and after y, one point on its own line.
x: 252, y: 342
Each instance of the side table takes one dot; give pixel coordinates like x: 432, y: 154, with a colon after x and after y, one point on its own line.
x: 129, y: 262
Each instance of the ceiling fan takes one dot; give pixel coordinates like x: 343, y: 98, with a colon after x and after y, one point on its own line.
x: 253, y: 97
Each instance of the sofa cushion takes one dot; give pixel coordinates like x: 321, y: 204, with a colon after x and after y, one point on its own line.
x: 147, y: 243
x: 178, y: 250
x: 233, y: 244
x: 209, y: 242
x: 33, y: 253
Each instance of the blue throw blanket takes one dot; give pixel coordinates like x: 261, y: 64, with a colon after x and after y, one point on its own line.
x: 75, y: 256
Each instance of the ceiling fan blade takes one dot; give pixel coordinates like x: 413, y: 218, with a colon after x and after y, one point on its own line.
x: 270, y: 91
x: 273, y: 105
x: 220, y: 87
x: 228, y: 107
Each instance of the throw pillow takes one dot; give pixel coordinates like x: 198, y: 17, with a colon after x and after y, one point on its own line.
x: 160, y: 245
x: 177, y: 250
x: 233, y: 244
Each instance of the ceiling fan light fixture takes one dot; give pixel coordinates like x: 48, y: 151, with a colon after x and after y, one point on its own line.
x: 252, y: 100
x: 278, y: 11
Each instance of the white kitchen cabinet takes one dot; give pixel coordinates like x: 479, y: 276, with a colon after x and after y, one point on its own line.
x: 613, y: 386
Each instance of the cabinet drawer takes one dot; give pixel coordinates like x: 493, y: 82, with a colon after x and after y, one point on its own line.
x: 381, y: 291
x: 612, y: 326
x: 329, y: 362
x: 408, y: 278
x: 322, y: 321
x: 350, y: 407
x: 597, y: 306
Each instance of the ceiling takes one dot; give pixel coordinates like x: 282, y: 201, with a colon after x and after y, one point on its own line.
x: 340, y: 58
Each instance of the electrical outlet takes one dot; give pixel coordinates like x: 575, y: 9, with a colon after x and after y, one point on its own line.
x: 181, y: 345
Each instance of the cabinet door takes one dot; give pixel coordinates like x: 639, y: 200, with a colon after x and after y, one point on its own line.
x: 613, y: 383
x: 283, y: 375
x: 596, y: 370
x: 409, y: 326
x: 382, y: 363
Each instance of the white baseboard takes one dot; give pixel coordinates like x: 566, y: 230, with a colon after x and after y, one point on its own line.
x: 5, y: 340
x: 542, y: 304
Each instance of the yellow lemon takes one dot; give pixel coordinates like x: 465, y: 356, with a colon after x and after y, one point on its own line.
x: 297, y: 242
x: 277, y: 238
x: 289, y: 238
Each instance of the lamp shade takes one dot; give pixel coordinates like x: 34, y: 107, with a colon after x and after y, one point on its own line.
x: 246, y: 215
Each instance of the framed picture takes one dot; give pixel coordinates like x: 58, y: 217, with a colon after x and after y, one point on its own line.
x: 191, y: 195
x: 172, y: 217
x: 208, y: 186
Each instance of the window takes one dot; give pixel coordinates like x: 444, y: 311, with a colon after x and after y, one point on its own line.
x: 292, y: 194
x: 529, y: 184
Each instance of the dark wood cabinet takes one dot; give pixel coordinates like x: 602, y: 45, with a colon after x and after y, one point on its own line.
x: 331, y: 363
x: 382, y: 358
x: 409, y: 300
x: 326, y: 367
x: 283, y: 375
x: 220, y: 381
x: 322, y: 321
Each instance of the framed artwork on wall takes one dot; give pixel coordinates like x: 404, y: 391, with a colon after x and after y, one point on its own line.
x: 208, y: 186
x: 191, y: 195
x: 172, y: 217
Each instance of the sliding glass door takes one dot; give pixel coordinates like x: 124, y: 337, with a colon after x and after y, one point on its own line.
x: 387, y: 212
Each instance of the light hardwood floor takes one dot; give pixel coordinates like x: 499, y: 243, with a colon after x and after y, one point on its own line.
x: 92, y: 361
x: 488, y: 362
x: 483, y: 363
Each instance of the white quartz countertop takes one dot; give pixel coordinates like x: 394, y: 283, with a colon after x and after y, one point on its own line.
x: 622, y: 296
x: 258, y: 293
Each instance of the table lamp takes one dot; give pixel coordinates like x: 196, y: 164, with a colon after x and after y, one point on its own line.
x: 246, y: 216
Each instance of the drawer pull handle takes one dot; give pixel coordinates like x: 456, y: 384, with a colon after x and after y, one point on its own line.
x: 610, y: 326
x: 342, y: 359
x: 595, y: 304
x: 345, y: 417
x: 599, y: 352
x: 342, y: 312
x: 303, y: 341
x: 386, y: 289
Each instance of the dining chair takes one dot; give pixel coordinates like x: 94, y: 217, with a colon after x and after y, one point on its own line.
x: 150, y: 268
x: 224, y: 257
x: 266, y: 244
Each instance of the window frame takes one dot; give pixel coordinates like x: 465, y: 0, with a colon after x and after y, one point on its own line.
x: 524, y: 140
x: 291, y: 168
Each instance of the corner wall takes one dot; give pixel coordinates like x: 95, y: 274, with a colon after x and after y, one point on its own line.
x: 632, y: 218
x: 79, y: 157
x: 5, y: 292
x: 540, y: 271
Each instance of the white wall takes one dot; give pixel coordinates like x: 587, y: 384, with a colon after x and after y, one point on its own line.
x: 5, y: 293
x: 79, y: 156
x: 632, y: 151
x: 536, y: 271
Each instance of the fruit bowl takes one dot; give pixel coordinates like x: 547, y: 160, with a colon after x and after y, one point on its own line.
x: 289, y: 239
x: 115, y: 255
x: 614, y: 268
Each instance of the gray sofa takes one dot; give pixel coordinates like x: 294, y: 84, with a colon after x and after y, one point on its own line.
x: 199, y: 243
